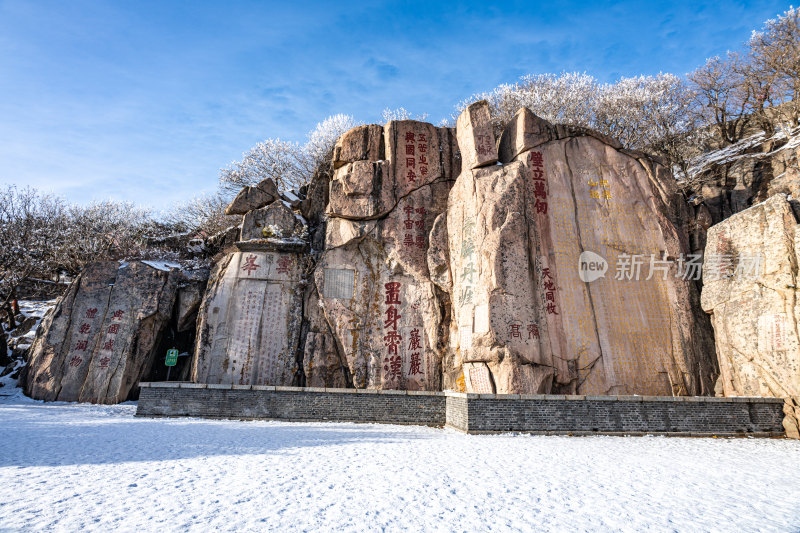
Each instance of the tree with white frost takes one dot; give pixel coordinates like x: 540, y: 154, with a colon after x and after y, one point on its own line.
x: 722, y: 97
x: 645, y: 112
x: 400, y: 113
x: 204, y: 214
x: 290, y: 165
x: 323, y: 137
x: 773, y: 73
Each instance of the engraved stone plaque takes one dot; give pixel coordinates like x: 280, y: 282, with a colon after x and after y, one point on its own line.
x: 339, y: 283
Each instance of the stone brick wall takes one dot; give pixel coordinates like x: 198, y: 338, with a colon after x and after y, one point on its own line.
x: 624, y: 415
x: 472, y: 413
x: 456, y: 411
x: 291, y: 403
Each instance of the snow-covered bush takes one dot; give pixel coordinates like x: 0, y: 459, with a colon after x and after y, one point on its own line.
x: 204, y: 214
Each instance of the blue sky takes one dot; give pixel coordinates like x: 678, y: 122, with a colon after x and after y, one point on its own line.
x: 145, y: 101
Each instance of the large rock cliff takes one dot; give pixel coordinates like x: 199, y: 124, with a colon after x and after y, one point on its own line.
x: 101, y: 338
x: 750, y: 290
x: 524, y: 319
x: 425, y: 281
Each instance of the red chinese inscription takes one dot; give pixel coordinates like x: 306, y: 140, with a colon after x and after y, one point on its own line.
x: 393, y: 362
x: 284, y: 263
x: 250, y: 264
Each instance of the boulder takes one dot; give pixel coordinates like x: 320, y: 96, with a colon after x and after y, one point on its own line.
x: 750, y: 280
x: 524, y: 132
x: 362, y: 143
x: 100, y: 339
x: 322, y: 364
x: 382, y: 314
x: 274, y: 221
x: 476, y: 136
x: 253, y: 197
x: 525, y: 317
x: 249, y: 322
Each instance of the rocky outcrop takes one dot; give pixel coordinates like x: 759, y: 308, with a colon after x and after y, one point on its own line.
x: 383, y: 316
x: 101, y: 338
x: 750, y: 278
x: 791, y: 422
x: 729, y: 180
x: 190, y: 295
x: 249, y: 322
x: 253, y: 197
x: 525, y: 240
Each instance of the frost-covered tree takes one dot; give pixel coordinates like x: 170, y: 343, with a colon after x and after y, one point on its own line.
x: 290, y: 165
x: 401, y: 113
x: 102, y: 231
x: 566, y: 98
x: 646, y: 112
x: 31, y: 230
x: 323, y: 137
x: 773, y: 68
x: 203, y: 214
x: 285, y: 162
x: 722, y: 97
x: 641, y: 110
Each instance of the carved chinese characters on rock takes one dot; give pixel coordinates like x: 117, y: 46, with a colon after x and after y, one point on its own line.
x: 480, y: 380
x: 81, y: 349
x: 414, y: 227
x: 415, y: 348
x: 245, y: 329
x: 536, y: 163
x: 393, y: 361
x: 274, y: 333
x: 546, y: 280
x: 284, y: 264
x: 599, y: 189
x: 549, y: 292
x: 250, y: 264
x: 416, y: 156
x: 110, y: 342
x: 468, y: 272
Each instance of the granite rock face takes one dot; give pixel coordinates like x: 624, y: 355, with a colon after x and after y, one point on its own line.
x: 475, y: 136
x: 382, y: 313
x: 750, y: 289
x: 253, y: 197
x: 249, y: 322
x: 791, y: 422
x: 362, y: 143
x: 276, y: 220
x: 524, y: 318
x: 100, y: 339
x: 730, y: 179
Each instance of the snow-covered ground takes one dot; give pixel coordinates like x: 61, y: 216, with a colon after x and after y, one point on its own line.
x: 72, y: 467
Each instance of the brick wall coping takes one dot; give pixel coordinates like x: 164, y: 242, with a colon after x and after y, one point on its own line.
x: 470, y: 396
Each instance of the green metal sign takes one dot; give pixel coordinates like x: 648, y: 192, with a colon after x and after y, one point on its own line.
x: 172, y: 357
